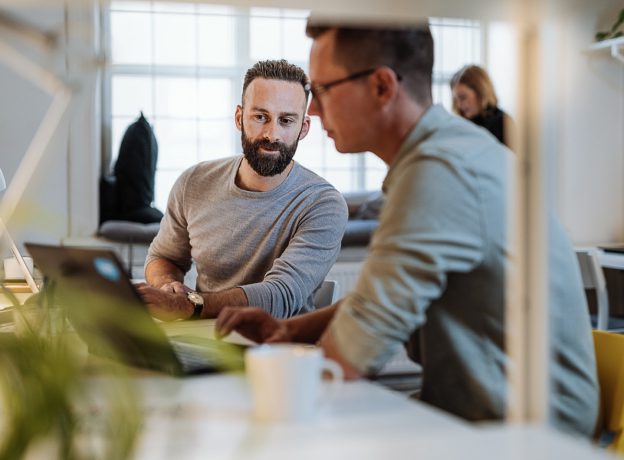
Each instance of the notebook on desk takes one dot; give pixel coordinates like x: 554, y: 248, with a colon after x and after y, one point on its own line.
x: 108, y: 314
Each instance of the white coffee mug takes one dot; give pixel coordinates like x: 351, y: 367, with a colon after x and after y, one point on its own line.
x: 285, y: 381
x: 12, y: 269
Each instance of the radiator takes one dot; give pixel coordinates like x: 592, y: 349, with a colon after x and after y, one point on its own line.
x: 345, y: 275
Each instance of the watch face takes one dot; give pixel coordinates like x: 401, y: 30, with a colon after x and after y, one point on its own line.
x: 196, y: 298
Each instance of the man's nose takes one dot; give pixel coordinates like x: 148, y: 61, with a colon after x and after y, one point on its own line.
x: 315, y: 107
x: 271, y: 132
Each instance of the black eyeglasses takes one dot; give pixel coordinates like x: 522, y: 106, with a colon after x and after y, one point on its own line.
x: 321, y: 88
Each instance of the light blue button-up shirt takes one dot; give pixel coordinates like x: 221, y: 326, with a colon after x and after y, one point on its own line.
x: 435, y: 280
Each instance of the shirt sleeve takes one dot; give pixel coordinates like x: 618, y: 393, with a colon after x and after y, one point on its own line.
x: 429, y: 227
x: 172, y: 241
x: 287, y: 288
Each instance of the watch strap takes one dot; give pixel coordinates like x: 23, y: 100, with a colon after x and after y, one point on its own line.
x: 197, y: 311
x: 198, y: 307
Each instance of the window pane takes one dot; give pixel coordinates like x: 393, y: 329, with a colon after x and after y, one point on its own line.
x: 335, y: 159
x: 164, y: 183
x: 174, y: 39
x: 174, y: 7
x: 342, y: 179
x: 296, y: 13
x: 131, y: 6
x: 216, y: 9
x: 217, y: 43
x: 446, y: 97
x: 264, y: 38
x: 265, y: 12
x: 131, y: 38
x: 310, y: 152
x: 195, y: 106
x: 131, y: 95
x: 177, y: 143
x: 296, y: 44
x: 438, y: 49
x: 176, y: 97
x: 457, y: 44
x: 215, y: 98
x: 376, y: 171
x: 215, y: 139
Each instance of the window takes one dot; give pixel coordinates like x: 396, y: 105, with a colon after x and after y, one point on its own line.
x: 182, y: 65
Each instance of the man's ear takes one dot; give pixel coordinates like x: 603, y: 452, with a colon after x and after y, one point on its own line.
x: 305, y: 127
x: 386, y: 84
x: 238, y: 117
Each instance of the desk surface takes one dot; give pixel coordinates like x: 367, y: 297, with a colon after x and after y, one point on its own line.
x: 607, y: 259
x: 613, y: 260
x: 210, y: 417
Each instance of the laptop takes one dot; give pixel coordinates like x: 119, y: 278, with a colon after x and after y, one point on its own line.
x: 108, y: 314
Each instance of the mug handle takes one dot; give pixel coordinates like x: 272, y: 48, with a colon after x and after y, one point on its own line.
x: 337, y: 376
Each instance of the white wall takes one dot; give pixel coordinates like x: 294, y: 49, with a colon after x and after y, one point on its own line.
x: 43, y: 208
x: 61, y: 199
x: 591, y: 158
x: 588, y: 164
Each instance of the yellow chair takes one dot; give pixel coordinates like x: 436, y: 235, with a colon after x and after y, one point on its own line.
x: 610, y: 362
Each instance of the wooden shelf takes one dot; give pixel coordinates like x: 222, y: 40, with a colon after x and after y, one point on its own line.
x: 615, y: 44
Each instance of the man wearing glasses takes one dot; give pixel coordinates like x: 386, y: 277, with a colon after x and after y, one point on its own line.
x: 434, y: 277
x: 262, y: 229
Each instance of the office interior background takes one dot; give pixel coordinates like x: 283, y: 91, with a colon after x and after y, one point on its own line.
x: 182, y: 64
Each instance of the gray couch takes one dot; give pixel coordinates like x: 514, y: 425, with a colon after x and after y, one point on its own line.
x: 364, y: 210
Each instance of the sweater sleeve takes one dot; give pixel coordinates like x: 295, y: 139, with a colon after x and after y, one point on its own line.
x: 172, y: 241
x: 288, y: 287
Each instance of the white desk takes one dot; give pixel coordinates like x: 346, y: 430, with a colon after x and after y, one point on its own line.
x: 607, y: 259
x: 210, y: 417
x: 613, y: 260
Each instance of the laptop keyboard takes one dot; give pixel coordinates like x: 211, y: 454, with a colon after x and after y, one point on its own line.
x: 200, y: 354
x: 191, y: 359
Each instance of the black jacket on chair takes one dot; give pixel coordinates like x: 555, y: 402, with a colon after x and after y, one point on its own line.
x: 135, y: 172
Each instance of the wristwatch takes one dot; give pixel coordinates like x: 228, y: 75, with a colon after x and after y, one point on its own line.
x: 198, y: 304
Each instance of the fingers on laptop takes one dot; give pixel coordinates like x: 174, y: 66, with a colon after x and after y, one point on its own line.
x: 251, y: 322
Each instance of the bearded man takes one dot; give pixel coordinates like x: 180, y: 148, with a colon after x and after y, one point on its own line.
x: 261, y: 228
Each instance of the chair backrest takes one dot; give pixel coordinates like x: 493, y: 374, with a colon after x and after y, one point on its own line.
x: 325, y: 295
x: 609, y: 348
x: 593, y: 278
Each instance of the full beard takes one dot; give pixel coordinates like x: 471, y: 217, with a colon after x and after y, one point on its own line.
x: 267, y: 165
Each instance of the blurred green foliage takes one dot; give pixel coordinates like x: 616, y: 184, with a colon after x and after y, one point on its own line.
x: 614, y: 32
x: 47, y: 398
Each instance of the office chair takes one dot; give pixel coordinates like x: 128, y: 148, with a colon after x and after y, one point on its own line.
x: 326, y: 294
x: 593, y: 278
x: 609, y: 349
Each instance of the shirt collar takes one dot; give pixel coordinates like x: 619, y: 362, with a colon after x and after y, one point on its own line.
x: 427, y: 124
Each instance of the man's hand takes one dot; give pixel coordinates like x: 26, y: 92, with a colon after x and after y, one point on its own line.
x: 175, y: 287
x: 163, y: 305
x: 253, y: 323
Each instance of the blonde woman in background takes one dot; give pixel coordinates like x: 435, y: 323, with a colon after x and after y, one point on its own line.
x: 474, y: 98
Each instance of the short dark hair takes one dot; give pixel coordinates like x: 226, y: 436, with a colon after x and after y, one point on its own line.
x: 408, y: 50
x: 277, y: 70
